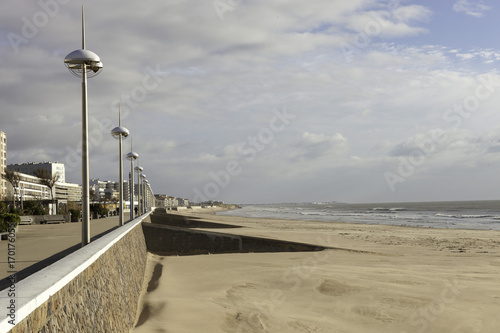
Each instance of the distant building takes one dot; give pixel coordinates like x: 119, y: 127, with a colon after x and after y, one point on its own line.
x: 182, y: 202
x: 166, y: 201
x: 3, y: 165
x: 126, y: 190
x: 54, y: 168
x: 30, y: 188
x: 68, y: 192
x: 98, y: 186
x: 109, y: 189
x: 161, y: 200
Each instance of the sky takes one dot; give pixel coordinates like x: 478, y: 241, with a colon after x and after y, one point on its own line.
x: 264, y: 101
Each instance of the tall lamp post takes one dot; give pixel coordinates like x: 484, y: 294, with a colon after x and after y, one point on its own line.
x: 144, y: 193
x: 119, y: 132
x: 146, y: 187
x: 84, y: 63
x: 132, y: 156
x: 139, y: 169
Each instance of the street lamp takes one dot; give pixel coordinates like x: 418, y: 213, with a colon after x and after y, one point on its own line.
x: 144, y: 194
x: 139, y: 169
x: 119, y: 132
x: 146, y: 187
x: 84, y: 63
x: 132, y: 156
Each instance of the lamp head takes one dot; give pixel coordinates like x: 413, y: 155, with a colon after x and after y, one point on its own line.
x: 132, y: 155
x: 96, y: 67
x: 76, y: 60
x: 120, y: 131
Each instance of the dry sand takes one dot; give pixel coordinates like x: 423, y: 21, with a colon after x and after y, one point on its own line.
x: 406, y: 280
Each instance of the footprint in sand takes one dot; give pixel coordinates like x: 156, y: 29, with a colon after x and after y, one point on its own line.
x: 148, y: 311
x: 153, y: 283
x: 336, y: 288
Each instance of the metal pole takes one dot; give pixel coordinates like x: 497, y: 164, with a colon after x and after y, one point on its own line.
x: 85, y: 162
x: 83, y: 29
x: 121, y: 179
x: 144, y: 196
x: 131, y: 186
x: 138, y: 190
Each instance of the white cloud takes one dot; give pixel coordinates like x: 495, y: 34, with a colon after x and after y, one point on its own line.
x: 397, y: 22
x: 465, y: 56
x: 318, y: 145
x: 439, y: 142
x: 471, y: 7
x: 483, y: 55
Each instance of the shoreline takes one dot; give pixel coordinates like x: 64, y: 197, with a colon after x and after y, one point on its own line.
x: 394, y: 287
x: 470, y: 215
x: 346, y: 233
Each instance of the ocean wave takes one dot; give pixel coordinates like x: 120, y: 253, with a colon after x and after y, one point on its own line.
x: 313, y: 213
x: 433, y: 215
x: 390, y: 210
x: 465, y: 216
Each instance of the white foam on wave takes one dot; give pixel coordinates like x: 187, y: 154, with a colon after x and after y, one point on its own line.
x: 465, y: 216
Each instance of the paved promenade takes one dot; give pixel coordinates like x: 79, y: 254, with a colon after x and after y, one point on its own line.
x: 37, y: 246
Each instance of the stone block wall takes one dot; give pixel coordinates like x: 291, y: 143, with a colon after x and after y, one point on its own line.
x: 102, y: 298
x: 169, y: 240
x: 184, y: 221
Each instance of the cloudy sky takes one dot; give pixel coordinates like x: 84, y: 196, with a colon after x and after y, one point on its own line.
x: 264, y: 101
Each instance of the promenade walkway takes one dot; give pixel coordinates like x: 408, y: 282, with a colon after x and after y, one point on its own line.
x: 38, y: 246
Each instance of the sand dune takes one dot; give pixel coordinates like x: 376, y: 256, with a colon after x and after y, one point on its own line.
x: 407, y: 280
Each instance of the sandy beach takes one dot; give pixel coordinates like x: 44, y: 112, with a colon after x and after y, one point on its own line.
x: 377, y: 279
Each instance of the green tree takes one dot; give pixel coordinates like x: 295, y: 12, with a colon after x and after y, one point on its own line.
x: 7, y: 220
x: 75, y: 215
x: 34, y: 208
x: 47, y: 179
x: 99, y: 209
x: 13, y: 178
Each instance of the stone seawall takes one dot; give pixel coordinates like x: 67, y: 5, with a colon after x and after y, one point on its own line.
x: 95, y: 289
x: 175, y: 220
x: 171, y: 240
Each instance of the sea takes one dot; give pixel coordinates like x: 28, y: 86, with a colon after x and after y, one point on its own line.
x: 479, y: 215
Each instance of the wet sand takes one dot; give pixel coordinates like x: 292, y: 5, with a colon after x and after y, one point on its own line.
x: 407, y: 280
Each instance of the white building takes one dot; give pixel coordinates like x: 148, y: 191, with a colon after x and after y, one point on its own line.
x: 30, y: 188
x: 54, y: 168
x: 181, y: 202
x: 108, y: 188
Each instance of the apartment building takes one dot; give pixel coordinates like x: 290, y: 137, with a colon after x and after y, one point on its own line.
x: 54, y: 168
x: 109, y: 188
x: 30, y: 188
